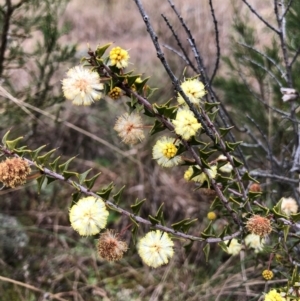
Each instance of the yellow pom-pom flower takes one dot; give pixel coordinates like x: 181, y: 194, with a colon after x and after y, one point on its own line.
x: 211, y: 215
x: 194, y: 90
x: 88, y: 216
x: 156, y: 248
x: 82, y: 86
x: 267, y: 274
x: 273, y: 296
x: 164, y: 151
x: 186, y: 125
x: 119, y: 57
x: 115, y: 93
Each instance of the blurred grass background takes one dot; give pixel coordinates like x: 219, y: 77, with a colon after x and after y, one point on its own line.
x: 52, y: 257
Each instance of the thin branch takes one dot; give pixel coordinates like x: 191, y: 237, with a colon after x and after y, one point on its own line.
x: 267, y: 57
x: 115, y: 207
x: 260, y: 17
x: 264, y: 68
x: 263, y: 174
x: 269, y: 149
x: 287, y: 9
x: 208, y: 126
x: 217, y: 41
x: 181, y: 55
x: 282, y: 37
x: 187, y: 59
x: 295, y: 57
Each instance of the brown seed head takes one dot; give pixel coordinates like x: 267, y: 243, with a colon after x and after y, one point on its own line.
x: 259, y: 225
x: 110, y: 247
x: 14, y: 171
x: 255, y: 187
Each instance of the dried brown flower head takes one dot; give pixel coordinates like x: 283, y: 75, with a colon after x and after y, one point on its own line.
x: 259, y: 225
x: 110, y: 247
x: 255, y: 187
x: 14, y: 171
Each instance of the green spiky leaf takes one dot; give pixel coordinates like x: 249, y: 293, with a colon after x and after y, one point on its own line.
x: 157, y: 127
x: 247, y: 177
x: 153, y: 220
x: 131, y: 79
x: 206, y: 250
x: 231, y: 146
x: 76, y: 196
x: 90, y: 182
x: 101, y: 50
x: 68, y: 174
x: 105, y: 192
x: 134, y: 231
x: 54, y: 164
x: 44, y: 159
x: 40, y: 181
x: 11, y: 144
x: 82, y: 176
x: 5, y: 137
x: 137, y: 206
x: 118, y: 195
x: 65, y: 165
x: 224, y: 131
x: 210, y: 105
x: 236, y: 162
x: 35, y: 153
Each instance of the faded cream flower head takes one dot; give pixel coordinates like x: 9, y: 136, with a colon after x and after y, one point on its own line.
x: 255, y: 241
x: 188, y: 175
x: 119, y: 57
x: 82, y: 86
x: 186, y: 125
x: 194, y: 90
x: 234, y: 248
x: 88, y: 216
x: 289, y: 206
x: 164, y: 151
x: 130, y: 128
x: 156, y: 248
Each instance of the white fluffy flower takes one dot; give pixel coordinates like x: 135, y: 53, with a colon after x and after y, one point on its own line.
x: 82, y: 86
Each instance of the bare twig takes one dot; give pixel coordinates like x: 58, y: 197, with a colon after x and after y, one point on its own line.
x: 115, y: 207
x: 260, y: 17
x: 217, y: 41
x: 187, y: 59
x: 283, y: 75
